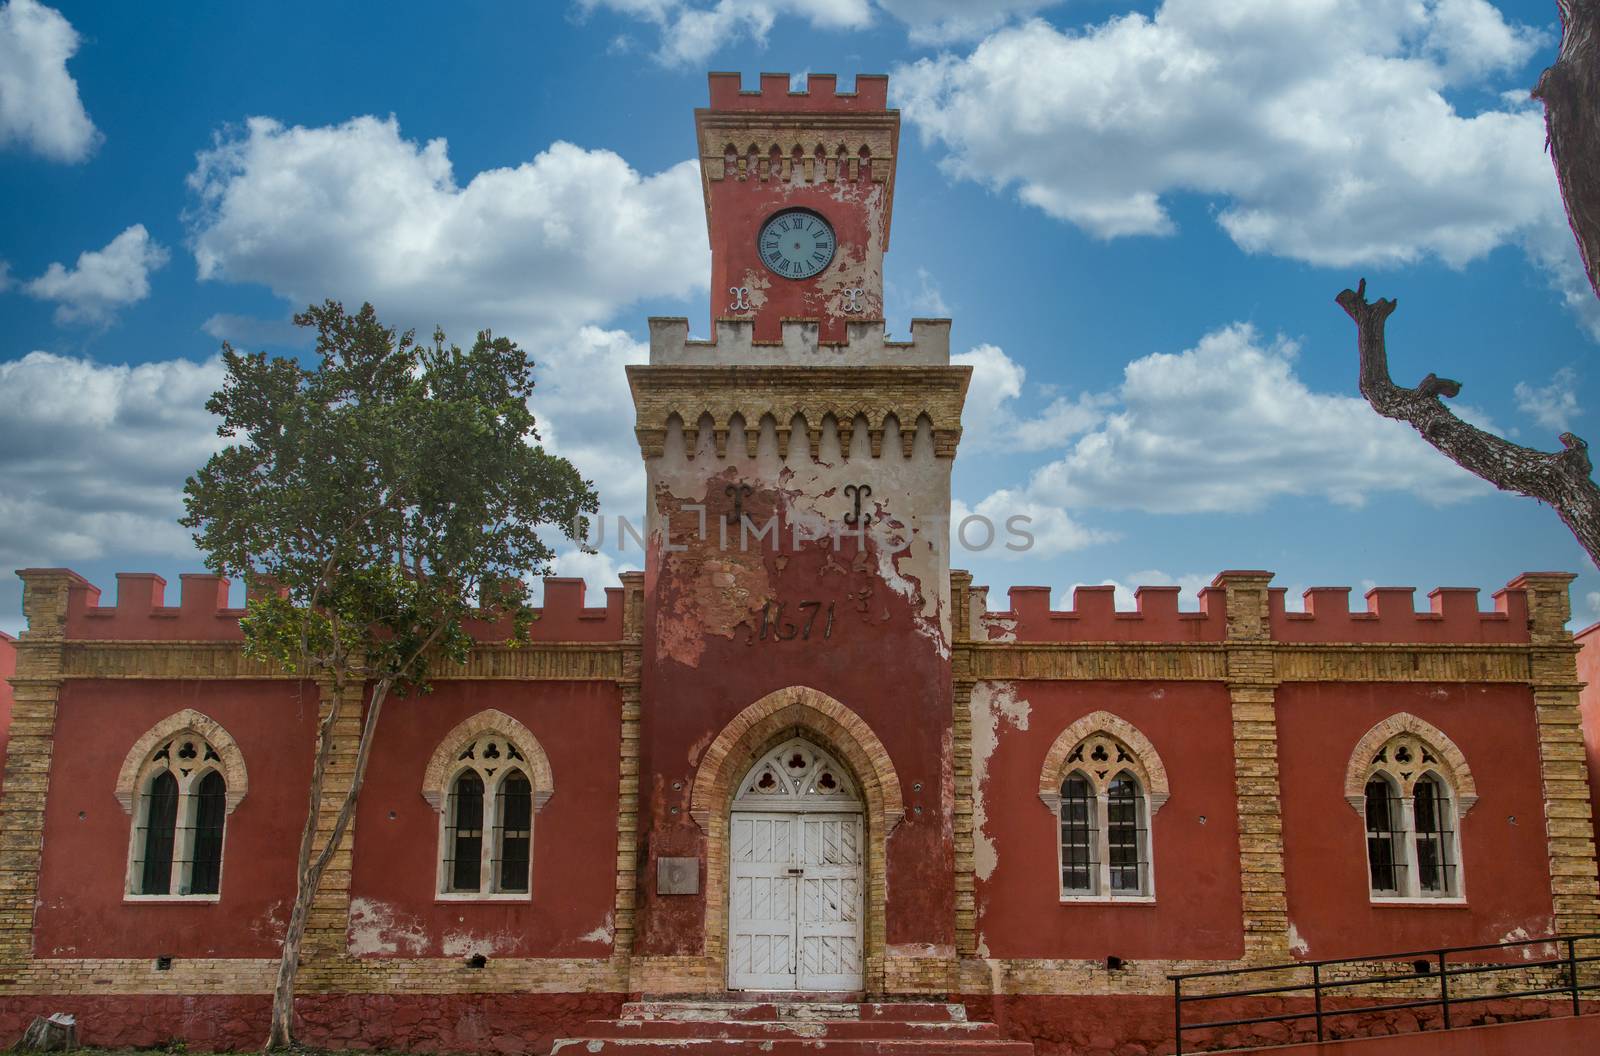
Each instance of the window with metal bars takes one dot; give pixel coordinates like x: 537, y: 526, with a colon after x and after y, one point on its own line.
x: 1126, y: 844
x: 1079, y: 835
x: 210, y: 807
x: 1435, y: 836
x: 464, y: 835
x: 158, y: 836
x: 514, y: 838
x: 1385, y: 852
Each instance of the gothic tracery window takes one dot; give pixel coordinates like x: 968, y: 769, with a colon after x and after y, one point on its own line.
x: 1103, y: 807
x: 1410, y: 807
x: 487, y: 840
x: 179, y: 819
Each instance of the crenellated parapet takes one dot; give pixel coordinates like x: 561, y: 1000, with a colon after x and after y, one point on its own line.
x: 866, y: 344
x: 1390, y: 616
x: 141, y: 612
x: 1094, y: 616
x: 737, y: 389
x: 817, y: 135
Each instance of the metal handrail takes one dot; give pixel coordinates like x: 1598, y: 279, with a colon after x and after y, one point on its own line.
x: 1436, y: 965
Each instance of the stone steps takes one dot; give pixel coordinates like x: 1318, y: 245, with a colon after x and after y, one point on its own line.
x: 792, y: 1028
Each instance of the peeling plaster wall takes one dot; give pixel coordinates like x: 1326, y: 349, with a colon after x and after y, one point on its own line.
x: 1325, y: 863
x: 82, y: 912
x: 1198, y: 908
x: 885, y: 656
x: 395, y: 910
x: 855, y: 209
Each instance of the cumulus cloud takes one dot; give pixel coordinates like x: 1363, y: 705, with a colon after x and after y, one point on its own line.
x: 94, y: 458
x: 992, y: 420
x: 693, y: 30
x: 39, y: 105
x: 948, y: 21
x: 1320, y: 128
x: 1190, y: 585
x: 103, y: 280
x: 1227, y: 426
x: 585, y: 413
x: 358, y: 212
x: 1012, y: 525
x: 1553, y: 406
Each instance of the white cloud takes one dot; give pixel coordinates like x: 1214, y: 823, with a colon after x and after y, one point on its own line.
x: 93, y: 458
x: 39, y: 104
x: 358, y: 213
x: 1190, y: 585
x: 598, y: 569
x: 991, y: 420
x: 1012, y: 525
x: 248, y: 331
x: 693, y: 30
x: 948, y: 21
x: 1319, y: 126
x: 1553, y: 406
x: 1227, y: 426
x: 585, y: 412
x: 103, y: 280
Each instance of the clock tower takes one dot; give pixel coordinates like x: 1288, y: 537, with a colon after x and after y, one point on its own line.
x: 798, y: 189
x: 795, y: 690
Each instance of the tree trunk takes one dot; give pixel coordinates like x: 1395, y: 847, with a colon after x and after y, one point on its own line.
x: 1570, y: 91
x: 1561, y: 478
x: 280, y: 1033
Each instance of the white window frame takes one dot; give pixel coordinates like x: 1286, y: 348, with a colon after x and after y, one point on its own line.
x: 188, y: 813
x: 1101, y: 835
x: 490, y: 845
x: 1411, y: 892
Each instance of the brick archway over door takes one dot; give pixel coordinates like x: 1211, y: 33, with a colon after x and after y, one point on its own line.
x: 746, y: 738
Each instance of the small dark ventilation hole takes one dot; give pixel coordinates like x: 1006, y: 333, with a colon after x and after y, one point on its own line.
x: 1113, y: 964
x: 477, y: 960
x: 1422, y: 967
x: 163, y: 964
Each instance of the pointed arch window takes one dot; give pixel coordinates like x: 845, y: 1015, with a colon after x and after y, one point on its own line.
x: 1415, y: 787
x: 488, y: 779
x: 180, y: 813
x: 1103, y: 782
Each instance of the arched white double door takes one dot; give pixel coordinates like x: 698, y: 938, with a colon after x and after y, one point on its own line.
x: 796, y: 861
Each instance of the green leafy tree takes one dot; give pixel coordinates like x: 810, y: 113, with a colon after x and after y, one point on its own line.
x: 378, y: 494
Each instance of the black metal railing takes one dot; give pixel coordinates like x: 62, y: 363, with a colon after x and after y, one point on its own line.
x: 1422, y: 964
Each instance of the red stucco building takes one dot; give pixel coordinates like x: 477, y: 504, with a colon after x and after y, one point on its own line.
x: 798, y: 754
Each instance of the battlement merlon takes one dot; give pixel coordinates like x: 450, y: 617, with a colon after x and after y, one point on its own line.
x: 1531, y: 609
x: 61, y: 604
x: 821, y: 93
x: 866, y: 345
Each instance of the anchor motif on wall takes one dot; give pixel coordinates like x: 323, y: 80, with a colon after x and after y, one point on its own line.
x: 852, y: 300
x: 741, y: 299
x: 856, y: 518
x: 738, y: 493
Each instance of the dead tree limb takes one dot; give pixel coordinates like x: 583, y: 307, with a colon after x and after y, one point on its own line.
x: 1560, y: 479
x: 1570, y: 92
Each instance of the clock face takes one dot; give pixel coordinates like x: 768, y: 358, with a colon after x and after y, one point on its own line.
x: 796, y: 244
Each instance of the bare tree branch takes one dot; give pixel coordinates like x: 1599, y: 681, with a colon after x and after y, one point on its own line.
x: 1570, y: 91
x: 1561, y: 479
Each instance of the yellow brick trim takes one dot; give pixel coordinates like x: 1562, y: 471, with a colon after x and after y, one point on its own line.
x: 442, y: 765
x: 186, y: 721
x: 797, y: 710
x: 1457, y: 773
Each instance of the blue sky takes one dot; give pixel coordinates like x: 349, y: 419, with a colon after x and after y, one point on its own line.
x: 1138, y: 217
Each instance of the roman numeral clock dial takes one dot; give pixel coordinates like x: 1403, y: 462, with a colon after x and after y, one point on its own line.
x: 796, y: 244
